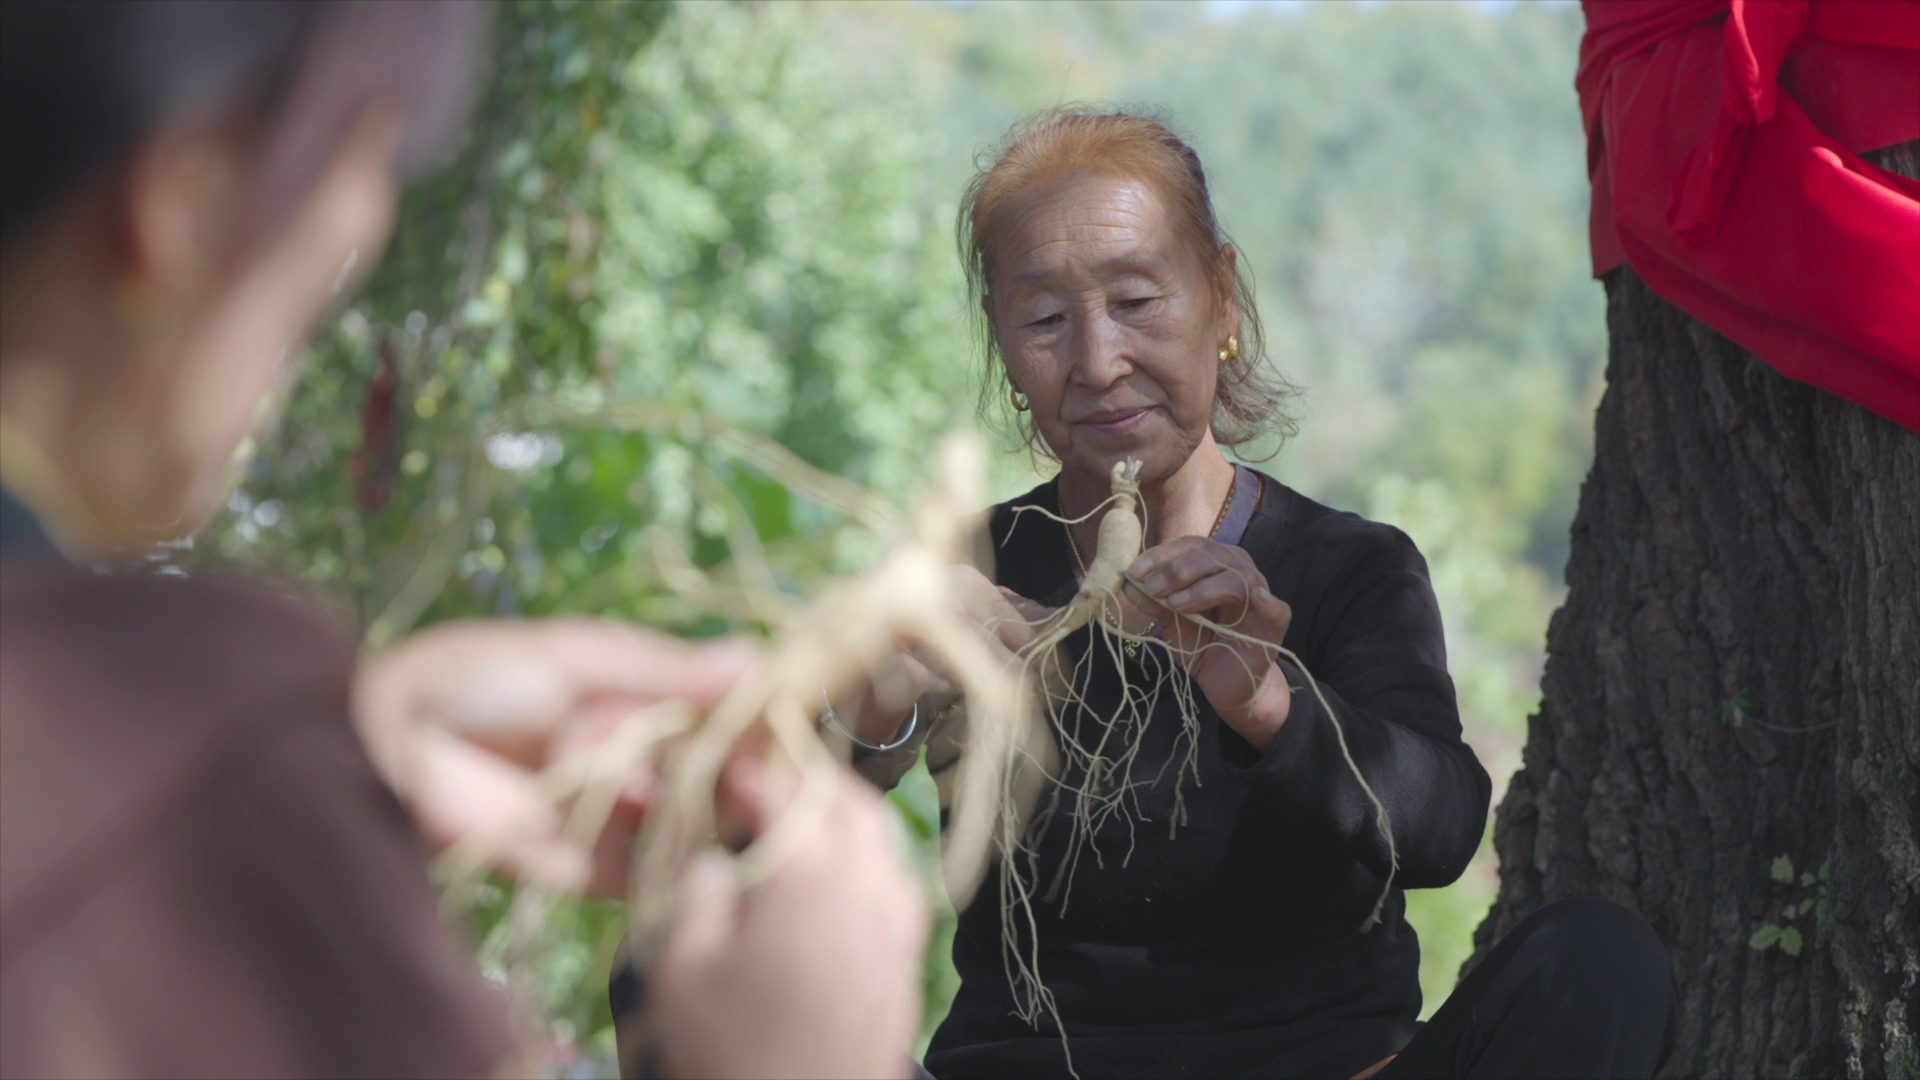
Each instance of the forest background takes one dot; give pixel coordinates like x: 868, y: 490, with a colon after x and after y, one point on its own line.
x: 743, y: 213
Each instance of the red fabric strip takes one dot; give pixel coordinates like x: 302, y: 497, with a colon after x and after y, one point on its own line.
x: 1751, y: 208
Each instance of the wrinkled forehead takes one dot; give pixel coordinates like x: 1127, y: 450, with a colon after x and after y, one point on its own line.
x: 1083, y: 224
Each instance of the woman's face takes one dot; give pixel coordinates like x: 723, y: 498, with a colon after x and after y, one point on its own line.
x: 233, y: 331
x: 1109, y: 324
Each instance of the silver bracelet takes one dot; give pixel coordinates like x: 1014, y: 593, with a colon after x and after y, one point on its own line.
x: 913, y: 724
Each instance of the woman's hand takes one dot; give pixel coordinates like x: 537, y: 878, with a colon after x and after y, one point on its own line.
x: 459, y: 719
x: 1009, y: 620
x: 1007, y: 615
x: 814, y: 972
x: 1197, y: 576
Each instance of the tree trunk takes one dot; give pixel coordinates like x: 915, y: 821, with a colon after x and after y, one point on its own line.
x: 1733, y: 685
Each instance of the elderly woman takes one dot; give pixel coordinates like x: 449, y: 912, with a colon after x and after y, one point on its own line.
x: 1223, y: 929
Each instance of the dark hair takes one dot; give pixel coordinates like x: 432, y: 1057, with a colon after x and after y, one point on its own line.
x: 81, y: 84
x: 1251, y: 397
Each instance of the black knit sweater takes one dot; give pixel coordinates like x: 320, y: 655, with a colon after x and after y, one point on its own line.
x: 1232, y: 945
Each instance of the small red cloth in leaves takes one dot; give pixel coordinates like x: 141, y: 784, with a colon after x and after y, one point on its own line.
x: 1724, y: 141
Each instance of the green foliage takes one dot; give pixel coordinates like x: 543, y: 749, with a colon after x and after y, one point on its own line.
x: 1809, y: 896
x: 486, y: 296
x: 742, y: 210
x: 775, y: 265
x: 1787, y: 939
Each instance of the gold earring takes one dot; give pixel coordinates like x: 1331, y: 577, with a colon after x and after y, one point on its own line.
x: 1020, y: 403
x: 1232, y: 352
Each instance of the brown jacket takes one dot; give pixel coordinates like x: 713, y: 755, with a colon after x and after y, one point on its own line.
x: 200, y: 872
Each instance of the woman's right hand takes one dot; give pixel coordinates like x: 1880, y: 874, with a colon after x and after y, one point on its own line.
x: 815, y: 971
x: 1010, y: 617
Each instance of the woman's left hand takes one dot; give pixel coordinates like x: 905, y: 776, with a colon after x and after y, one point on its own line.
x: 1193, y: 575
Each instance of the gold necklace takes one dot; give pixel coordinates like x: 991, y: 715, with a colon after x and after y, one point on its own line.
x: 1133, y: 647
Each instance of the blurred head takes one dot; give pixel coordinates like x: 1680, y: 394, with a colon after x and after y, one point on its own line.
x: 1109, y: 294
x: 189, y: 186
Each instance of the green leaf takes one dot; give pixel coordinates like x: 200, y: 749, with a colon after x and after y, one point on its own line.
x: 1764, y: 938
x: 1783, y: 869
x: 1806, y: 906
x: 769, y: 504
x: 1790, y: 942
x: 1820, y: 908
x: 1823, y: 871
x: 1806, y: 879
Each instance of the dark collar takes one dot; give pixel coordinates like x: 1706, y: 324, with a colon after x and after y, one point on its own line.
x: 20, y: 531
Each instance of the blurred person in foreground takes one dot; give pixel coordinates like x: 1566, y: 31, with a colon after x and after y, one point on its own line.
x: 203, y: 866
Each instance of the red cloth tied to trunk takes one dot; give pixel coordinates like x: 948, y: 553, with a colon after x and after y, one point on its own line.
x: 1724, y: 141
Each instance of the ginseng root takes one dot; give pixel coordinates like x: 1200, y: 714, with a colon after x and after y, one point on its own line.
x: 1097, y: 771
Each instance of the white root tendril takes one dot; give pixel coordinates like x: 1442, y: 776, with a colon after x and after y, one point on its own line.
x: 1098, y: 777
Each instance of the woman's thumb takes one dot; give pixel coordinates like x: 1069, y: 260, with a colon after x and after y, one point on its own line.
x: 709, y: 903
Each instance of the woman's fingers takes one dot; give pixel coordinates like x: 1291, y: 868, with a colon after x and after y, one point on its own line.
x: 516, y: 686
x: 1167, y: 569
x: 1204, y: 577
x: 1275, y: 612
x: 1197, y: 576
x: 976, y: 593
x: 923, y: 673
x: 1227, y: 592
x: 603, y: 658
x: 754, y: 790
x: 461, y: 792
x: 1028, y: 610
x: 709, y: 913
x: 612, y: 854
x: 1151, y: 569
x: 1138, y: 597
x: 1008, y: 615
x: 461, y: 719
x: 815, y: 971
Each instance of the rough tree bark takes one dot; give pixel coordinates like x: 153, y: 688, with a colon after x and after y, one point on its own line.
x: 1735, y: 677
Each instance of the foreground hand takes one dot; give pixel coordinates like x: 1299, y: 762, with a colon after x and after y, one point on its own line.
x: 814, y: 972
x: 1197, y: 576
x: 459, y: 719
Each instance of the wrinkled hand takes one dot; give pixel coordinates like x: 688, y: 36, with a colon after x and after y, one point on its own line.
x: 459, y: 719
x: 1197, y: 576
x: 814, y: 972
